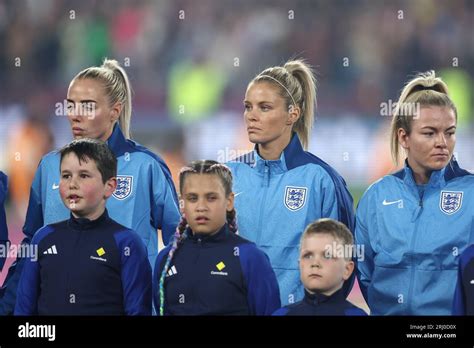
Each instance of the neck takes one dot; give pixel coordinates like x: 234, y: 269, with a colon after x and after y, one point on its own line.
x: 272, y: 150
x: 91, y: 216
x: 421, y: 176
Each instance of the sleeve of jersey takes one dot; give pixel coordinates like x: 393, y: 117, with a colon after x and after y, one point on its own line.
x: 136, y: 273
x: 263, y: 293
x: 337, y: 201
x: 365, y: 267
x: 29, y: 284
x: 3, y: 218
x: 156, y: 278
x: 459, y: 302
x: 281, y: 312
x: 34, y: 215
x: 164, y: 210
x: 337, y: 204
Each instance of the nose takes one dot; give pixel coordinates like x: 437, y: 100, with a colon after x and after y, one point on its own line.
x: 316, y: 262
x: 72, y: 183
x: 441, y: 141
x: 250, y: 115
x: 201, y: 205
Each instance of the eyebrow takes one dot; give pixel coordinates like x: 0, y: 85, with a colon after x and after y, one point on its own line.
x: 259, y: 103
x: 82, y: 101
x: 435, y: 129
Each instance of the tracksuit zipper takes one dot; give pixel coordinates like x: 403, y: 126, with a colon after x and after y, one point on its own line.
x: 412, y: 247
x: 265, y: 184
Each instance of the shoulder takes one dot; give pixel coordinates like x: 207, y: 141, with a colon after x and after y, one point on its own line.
x: 50, y: 158
x: 143, y: 154
x: 44, y: 231
x: 467, y: 255
x: 123, y: 234
x: 281, y: 312
x: 352, y: 310
x: 162, y: 255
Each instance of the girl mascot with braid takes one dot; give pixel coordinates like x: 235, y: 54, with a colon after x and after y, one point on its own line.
x: 209, y: 269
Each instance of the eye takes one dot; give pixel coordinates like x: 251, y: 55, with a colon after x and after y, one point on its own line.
x: 428, y: 134
x: 70, y: 107
x: 89, y: 106
x: 211, y: 198
x: 65, y: 176
x: 451, y: 133
x: 265, y: 108
x: 307, y: 256
x: 191, y: 198
x: 247, y: 107
x: 83, y: 176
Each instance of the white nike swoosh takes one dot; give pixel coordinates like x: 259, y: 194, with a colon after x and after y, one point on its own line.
x: 55, y: 187
x: 235, y: 195
x: 472, y: 281
x: 393, y: 202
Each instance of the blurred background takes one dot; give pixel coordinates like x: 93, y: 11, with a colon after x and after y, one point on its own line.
x: 190, y: 61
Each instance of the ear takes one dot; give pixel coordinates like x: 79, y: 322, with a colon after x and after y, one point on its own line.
x: 294, y: 113
x: 230, y: 202
x: 115, y: 111
x: 110, y: 186
x: 403, y: 138
x: 348, y: 269
x: 181, y: 205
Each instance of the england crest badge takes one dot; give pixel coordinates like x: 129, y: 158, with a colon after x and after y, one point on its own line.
x: 295, y: 197
x: 450, y: 201
x: 124, y: 186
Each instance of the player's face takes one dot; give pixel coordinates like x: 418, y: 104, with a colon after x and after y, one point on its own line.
x: 431, y: 142
x: 204, y: 203
x: 322, y: 270
x: 81, y: 187
x: 89, y: 110
x: 266, y: 114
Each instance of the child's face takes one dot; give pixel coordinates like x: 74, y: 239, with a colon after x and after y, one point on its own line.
x: 321, y: 273
x: 81, y: 187
x: 204, y: 203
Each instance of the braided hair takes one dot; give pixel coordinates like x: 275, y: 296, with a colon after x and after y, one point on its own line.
x: 197, y: 167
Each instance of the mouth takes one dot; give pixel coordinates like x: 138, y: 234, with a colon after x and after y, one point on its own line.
x: 73, y: 198
x: 252, y: 129
x: 441, y: 155
x: 315, y: 276
x: 201, y: 220
x: 77, y: 131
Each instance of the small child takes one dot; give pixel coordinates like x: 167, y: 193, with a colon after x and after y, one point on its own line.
x: 464, y: 294
x: 209, y: 269
x: 88, y: 264
x: 325, y: 264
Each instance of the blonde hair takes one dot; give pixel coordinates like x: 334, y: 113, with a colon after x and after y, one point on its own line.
x: 424, y: 90
x: 297, y: 84
x: 117, y: 87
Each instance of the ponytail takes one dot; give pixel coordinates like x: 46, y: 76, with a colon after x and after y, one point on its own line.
x: 297, y: 85
x: 424, y: 90
x: 117, y: 88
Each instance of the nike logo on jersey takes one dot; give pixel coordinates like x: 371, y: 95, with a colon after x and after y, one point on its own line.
x: 238, y: 193
x: 399, y: 202
x: 472, y: 281
x: 55, y: 187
